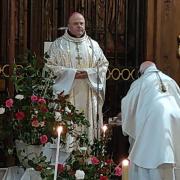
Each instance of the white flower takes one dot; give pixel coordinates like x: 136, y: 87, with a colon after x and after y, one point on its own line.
x: 58, y: 116
x: 2, y: 110
x: 42, y: 124
x: 83, y: 149
x: 19, y: 96
x: 79, y: 174
x: 70, y: 123
x: 67, y: 109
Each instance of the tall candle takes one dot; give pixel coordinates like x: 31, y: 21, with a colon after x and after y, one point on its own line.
x: 59, y: 130
x: 125, y: 169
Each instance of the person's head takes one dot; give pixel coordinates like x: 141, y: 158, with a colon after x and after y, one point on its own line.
x: 76, y: 24
x: 145, y: 65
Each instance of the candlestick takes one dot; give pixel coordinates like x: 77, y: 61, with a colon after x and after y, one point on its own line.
x: 125, y: 169
x: 59, y: 130
x: 104, y: 128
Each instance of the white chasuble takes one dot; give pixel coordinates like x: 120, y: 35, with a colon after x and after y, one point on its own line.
x: 151, y: 118
x: 69, y: 55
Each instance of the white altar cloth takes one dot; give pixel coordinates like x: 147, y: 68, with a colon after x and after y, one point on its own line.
x: 18, y: 173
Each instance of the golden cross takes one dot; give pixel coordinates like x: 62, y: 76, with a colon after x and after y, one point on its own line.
x: 79, y: 58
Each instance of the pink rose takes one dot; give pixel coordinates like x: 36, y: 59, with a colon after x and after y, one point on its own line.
x: 9, y: 103
x: 118, y: 171
x: 34, y: 98
x: 94, y: 160
x: 43, y: 139
x: 109, y: 161
x: 42, y: 101
x: 20, y: 115
x: 35, y: 123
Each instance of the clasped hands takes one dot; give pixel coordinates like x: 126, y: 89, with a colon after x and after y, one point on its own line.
x: 81, y: 75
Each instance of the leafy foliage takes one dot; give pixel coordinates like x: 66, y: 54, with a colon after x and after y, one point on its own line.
x: 35, y: 111
x: 84, y: 162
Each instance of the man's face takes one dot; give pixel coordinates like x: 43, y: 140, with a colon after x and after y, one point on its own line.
x: 76, y: 25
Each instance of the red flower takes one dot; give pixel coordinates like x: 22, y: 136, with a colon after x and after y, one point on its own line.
x: 43, y: 139
x: 103, y: 177
x: 42, y: 101
x: 9, y: 103
x: 60, y: 168
x: 109, y: 161
x: 20, y: 115
x: 94, y: 160
x: 34, y: 98
x: 118, y: 171
x: 44, y: 109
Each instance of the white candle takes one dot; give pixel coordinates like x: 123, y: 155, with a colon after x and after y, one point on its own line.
x: 59, y: 130
x: 104, y: 128
x: 125, y: 169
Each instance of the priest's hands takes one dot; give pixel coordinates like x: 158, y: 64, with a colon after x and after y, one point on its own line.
x: 81, y: 75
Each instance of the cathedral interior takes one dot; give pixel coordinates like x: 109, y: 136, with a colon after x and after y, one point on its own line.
x: 128, y: 31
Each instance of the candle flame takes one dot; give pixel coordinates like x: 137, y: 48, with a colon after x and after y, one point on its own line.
x: 59, y: 129
x: 125, y: 162
x: 104, y: 128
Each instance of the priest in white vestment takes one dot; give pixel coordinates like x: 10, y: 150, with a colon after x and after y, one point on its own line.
x: 80, y: 66
x: 151, y: 119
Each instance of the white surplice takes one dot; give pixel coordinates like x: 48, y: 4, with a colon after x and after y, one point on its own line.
x: 67, y: 56
x: 151, y: 119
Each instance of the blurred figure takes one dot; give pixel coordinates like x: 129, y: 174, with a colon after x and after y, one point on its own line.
x: 151, y: 118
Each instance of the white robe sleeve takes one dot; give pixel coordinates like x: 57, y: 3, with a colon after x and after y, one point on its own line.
x: 65, y: 76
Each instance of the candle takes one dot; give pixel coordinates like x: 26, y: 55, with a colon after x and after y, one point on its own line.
x: 104, y: 128
x: 59, y: 130
x: 125, y: 168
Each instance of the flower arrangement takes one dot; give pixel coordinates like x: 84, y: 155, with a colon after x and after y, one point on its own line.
x: 34, y: 112
x: 29, y: 118
x: 86, y: 165
x: 89, y: 163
